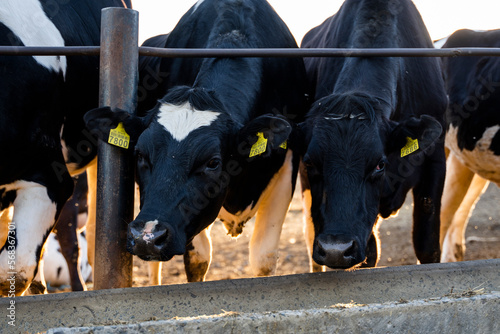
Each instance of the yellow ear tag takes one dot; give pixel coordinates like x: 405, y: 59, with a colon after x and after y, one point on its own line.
x: 260, y: 146
x: 119, y: 137
x: 410, y: 147
x: 284, y: 145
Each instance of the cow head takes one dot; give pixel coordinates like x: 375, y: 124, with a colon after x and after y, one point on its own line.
x: 187, y: 151
x: 347, y: 150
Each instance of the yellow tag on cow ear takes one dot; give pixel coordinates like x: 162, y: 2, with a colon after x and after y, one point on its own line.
x: 284, y: 145
x: 119, y: 137
x: 410, y: 147
x: 260, y: 146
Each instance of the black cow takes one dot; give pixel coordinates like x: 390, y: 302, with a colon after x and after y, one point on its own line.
x: 36, y: 95
x: 368, y: 115
x: 201, y: 151
x: 472, y: 136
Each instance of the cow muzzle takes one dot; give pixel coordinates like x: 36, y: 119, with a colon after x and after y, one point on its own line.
x: 337, y: 251
x: 152, y: 241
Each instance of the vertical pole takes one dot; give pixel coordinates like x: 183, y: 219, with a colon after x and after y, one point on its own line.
x: 115, y: 171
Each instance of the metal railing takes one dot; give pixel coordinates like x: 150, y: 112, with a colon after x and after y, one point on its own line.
x: 114, y: 267
x: 210, y: 53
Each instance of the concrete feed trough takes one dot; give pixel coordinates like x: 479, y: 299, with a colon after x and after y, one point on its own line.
x: 459, y: 297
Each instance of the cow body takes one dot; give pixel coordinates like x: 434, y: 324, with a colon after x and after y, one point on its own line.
x: 194, y: 160
x: 37, y: 95
x: 367, y: 112
x: 472, y: 135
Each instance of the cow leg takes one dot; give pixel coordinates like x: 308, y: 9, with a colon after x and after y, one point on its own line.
x: 427, y: 206
x: 92, y: 195
x: 458, y: 180
x: 34, y: 214
x: 454, y: 241
x: 154, y: 271
x: 38, y: 286
x: 198, y: 256
x: 66, y: 231
x: 308, y: 221
x: 5, y: 218
x: 373, y: 247
x: 270, y: 217
x: 372, y: 256
x: 309, y: 235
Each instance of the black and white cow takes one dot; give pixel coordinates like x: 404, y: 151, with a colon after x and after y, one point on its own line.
x: 368, y: 115
x: 36, y: 95
x: 472, y: 136
x: 199, y: 154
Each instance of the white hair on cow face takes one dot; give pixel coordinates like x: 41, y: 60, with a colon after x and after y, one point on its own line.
x: 181, y: 120
x: 28, y: 21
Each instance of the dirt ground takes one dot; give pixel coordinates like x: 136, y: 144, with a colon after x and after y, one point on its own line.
x: 230, y: 256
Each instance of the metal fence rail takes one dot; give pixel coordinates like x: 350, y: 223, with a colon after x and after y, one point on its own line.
x: 209, y: 53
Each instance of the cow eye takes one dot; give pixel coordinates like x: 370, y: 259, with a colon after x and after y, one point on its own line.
x: 381, y: 166
x: 380, y: 169
x: 214, y: 164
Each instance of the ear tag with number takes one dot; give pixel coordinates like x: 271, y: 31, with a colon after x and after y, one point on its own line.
x: 119, y: 137
x: 284, y: 145
x: 260, y: 146
x: 410, y: 147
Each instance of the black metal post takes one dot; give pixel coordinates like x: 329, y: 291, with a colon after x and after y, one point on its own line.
x: 115, y: 171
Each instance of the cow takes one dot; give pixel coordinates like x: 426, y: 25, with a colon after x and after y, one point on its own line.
x: 374, y: 131
x: 214, y: 143
x: 472, y: 135
x: 37, y: 95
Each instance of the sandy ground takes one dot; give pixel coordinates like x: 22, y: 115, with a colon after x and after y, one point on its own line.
x: 230, y: 256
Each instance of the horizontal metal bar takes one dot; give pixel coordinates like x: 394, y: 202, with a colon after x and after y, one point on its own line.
x: 49, y: 51
x: 211, y: 53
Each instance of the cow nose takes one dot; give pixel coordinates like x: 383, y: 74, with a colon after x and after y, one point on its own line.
x: 146, y: 243
x: 336, y: 251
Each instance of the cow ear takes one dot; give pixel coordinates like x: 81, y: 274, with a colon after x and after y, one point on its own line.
x: 101, y: 120
x: 413, y: 135
x: 263, y: 135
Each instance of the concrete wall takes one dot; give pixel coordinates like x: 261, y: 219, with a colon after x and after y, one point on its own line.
x: 301, y: 293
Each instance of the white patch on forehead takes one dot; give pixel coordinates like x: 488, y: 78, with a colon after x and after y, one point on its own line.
x: 481, y: 160
x: 197, y: 5
x: 27, y: 20
x: 181, y: 120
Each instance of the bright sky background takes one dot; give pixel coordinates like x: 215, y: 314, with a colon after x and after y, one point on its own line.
x: 442, y: 17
